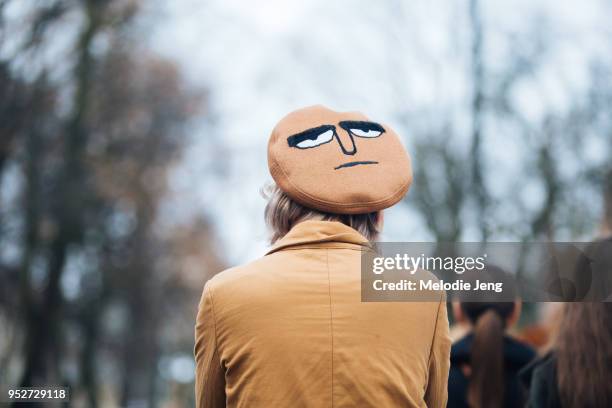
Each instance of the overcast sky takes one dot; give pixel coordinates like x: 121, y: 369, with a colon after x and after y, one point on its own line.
x: 388, y: 59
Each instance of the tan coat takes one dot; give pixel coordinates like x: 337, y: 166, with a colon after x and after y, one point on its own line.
x: 290, y: 330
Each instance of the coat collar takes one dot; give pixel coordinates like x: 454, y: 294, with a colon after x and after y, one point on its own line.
x: 319, y: 232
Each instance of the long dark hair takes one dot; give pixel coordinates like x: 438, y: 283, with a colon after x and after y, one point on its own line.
x: 584, y: 341
x: 584, y: 355
x: 488, y: 317
x: 487, y: 387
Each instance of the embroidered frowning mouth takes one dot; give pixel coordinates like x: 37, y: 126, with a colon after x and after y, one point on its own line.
x: 355, y: 163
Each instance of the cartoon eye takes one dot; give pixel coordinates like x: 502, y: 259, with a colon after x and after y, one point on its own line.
x: 312, y: 137
x: 320, y: 139
x: 362, y: 129
x: 365, y: 133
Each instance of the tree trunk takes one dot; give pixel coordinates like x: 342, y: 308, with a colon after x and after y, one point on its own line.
x: 42, y: 326
x: 477, y: 107
x: 606, y: 223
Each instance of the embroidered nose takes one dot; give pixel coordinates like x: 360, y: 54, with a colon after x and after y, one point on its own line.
x: 347, y: 143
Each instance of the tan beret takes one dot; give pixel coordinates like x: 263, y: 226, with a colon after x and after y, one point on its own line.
x: 338, y: 162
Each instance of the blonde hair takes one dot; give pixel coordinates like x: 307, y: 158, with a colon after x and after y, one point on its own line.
x: 282, y: 213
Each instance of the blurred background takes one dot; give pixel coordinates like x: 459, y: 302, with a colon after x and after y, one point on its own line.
x: 133, y: 150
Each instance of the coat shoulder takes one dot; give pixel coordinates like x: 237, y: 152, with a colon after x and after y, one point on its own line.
x: 235, y: 274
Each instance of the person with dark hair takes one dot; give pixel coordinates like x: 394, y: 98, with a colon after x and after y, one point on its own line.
x: 577, y: 372
x: 486, y: 362
x: 290, y: 329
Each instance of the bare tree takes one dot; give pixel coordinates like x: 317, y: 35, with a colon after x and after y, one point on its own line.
x: 606, y: 224
x: 477, y: 160
x: 42, y: 333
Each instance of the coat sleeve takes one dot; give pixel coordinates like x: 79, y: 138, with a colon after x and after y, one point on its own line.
x: 436, y: 394
x: 210, y: 375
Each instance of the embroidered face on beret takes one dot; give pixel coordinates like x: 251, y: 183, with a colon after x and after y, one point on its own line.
x: 338, y: 162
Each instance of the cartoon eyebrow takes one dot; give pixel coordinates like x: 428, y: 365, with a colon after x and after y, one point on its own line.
x: 362, y: 128
x: 312, y: 137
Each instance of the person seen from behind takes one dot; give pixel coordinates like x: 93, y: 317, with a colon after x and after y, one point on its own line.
x: 290, y: 329
x: 485, y: 363
x: 577, y: 372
